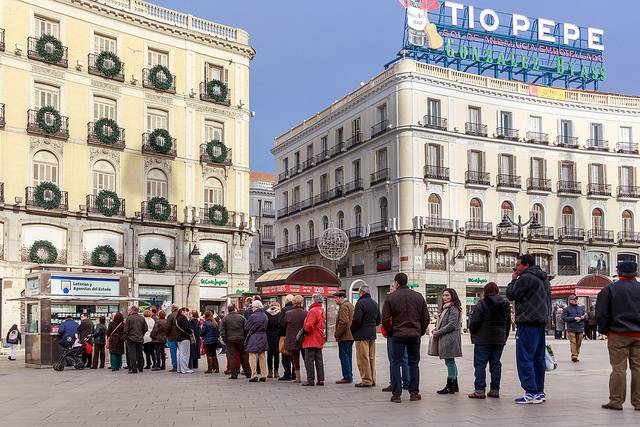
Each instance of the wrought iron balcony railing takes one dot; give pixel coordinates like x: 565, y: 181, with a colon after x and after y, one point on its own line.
x: 599, y: 189
x: 438, y: 225
x: 567, y: 141
x: 507, y: 133
x: 355, y: 140
x: 475, y: 129
x: 322, y: 156
x: 629, y: 237
x: 355, y: 233
x: 570, y: 233
x: 32, y: 53
x: 353, y: 186
x: 543, y: 233
x: 205, y: 158
x: 600, y: 235
x: 509, y: 181
x: 507, y: 233
x: 477, y: 178
x: 2, y: 120
x: 379, y: 128
x: 148, y: 148
x: 337, y: 149
x: 628, y: 192
x: 478, y: 228
x: 93, y: 69
x: 204, y: 95
x: 235, y: 219
x: 570, y: 187
x: 436, y: 172
x: 34, y: 128
x: 379, y: 176
x: 268, y: 213
x: 146, y: 82
x: 538, y: 138
x: 30, y: 198
x: 92, y: 139
x: 92, y: 207
x: 283, y: 176
x: 435, y: 122
x: 597, y: 145
x: 538, y: 184
x: 1, y: 192
x: 1, y: 39
x: 160, y: 209
x: 627, y: 147
x: 379, y: 227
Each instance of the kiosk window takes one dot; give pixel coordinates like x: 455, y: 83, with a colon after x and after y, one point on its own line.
x: 33, y: 318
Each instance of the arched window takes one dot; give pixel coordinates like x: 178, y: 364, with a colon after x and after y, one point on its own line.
x: 312, y: 231
x: 298, y: 234
x: 104, y: 176
x: 357, y: 216
x: 537, y: 212
x: 45, y: 167
x: 213, y: 193
x: 506, y: 209
x: 384, y: 210
x: 627, y: 223
x: 156, y: 184
x: 477, y: 260
x: 325, y: 223
x: 568, y: 220
x: 597, y: 219
x: 475, y: 210
x: 434, y: 208
x: 285, y: 238
x: 341, y: 220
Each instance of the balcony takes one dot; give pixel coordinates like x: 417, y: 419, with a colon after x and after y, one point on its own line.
x: 267, y: 240
x: 1, y: 39
x: 600, y: 235
x: 477, y: 178
x: 283, y: 212
x: 204, y: 95
x: 337, y: 149
x: 32, y: 53
x: 537, y: 138
x: 379, y: 128
x: 628, y: 192
x: 357, y: 270
x: 436, y: 173
x: 92, y: 208
x: 92, y: 139
x: 322, y: 156
x: 147, y: 83
x: 627, y: 147
x: 295, y: 170
x: 308, y: 164
x: 205, y: 158
x: 567, y: 141
x: 285, y: 250
x: 2, y: 122
x: 93, y: 69
x: 268, y: 213
x: 569, y: 187
x: 539, y: 185
x: 171, y: 263
x: 320, y: 198
x: 507, y: 133
x: 543, y: 233
x: 308, y: 245
x: 355, y: 233
x: 306, y: 203
x: 355, y: 140
x: 438, y: 225
x: 30, y: 198
x: 435, y: 265
x: 235, y: 219
x: 435, y: 122
x: 146, y: 216
x: 33, y: 128
x: 603, y: 190
x: 629, y: 237
x: 510, y: 233
x: 572, y: 234
x: 479, y: 228
x: 148, y: 148
x: 336, y: 192
x: 597, y: 145
x: 379, y: 227
x: 379, y: 176
x: 283, y: 176
x: 475, y: 129
x: 353, y: 186
x: 477, y: 266
x: 509, y: 181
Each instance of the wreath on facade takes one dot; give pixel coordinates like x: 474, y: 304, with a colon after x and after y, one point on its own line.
x: 213, y: 264
x: 218, y: 215
x: 211, y: 151
x: 156, y: 81
x: 49, y: 48
x: 41, y: 119
x: 160, y: 140
x: 217, y: 90
x: 108, y: 203
x: 156, y: 260
x: 43, y: 252
x: 107, y: 131
x: 104, y: 256
x: 109, y: 64
x: 48, y: 195
x: 159, y: 208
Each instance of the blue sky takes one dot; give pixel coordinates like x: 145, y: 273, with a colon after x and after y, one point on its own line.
x: 311, y: 53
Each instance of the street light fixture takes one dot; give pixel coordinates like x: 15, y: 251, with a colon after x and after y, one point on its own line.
x: 507, y: 222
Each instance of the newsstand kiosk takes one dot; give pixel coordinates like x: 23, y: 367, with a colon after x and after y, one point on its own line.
x: 51, y: 296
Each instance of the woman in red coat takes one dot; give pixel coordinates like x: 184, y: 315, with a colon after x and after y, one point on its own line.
x: 313, y: 341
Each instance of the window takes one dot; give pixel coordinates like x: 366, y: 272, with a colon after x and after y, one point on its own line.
x: 506, y: 209
x: 435, y: 259
x: 46, y: 26
x: 355, y: 127
x: 477, y: 261
x: 627, y: 176
x: 596, y: 174
x: 568, y: 264
x: 567, y: 171
x: 325, y: 223
x: 339, y: 136
x: 627, y: 222
x: 156, y: 184
x: 285, y: 165
x: 157, y: 119
x: 357, y: 216
x: 358, y: 264
x: 213, y: 193
x: 285, y: 237
x: 535, y: 124
x: 434, y: 208
x: 298, y: 234
x: 505, y: 261
x: 566, y: 129
x: 381, y: 113
x: 296, y: 159
x: 339, y: 176
x: 285, y: 199
x: 104, y: 44
x: 267, y: 231
x: 538, y: 169
x: 309, y: 152
x: 567, y: 217
x: 475, y: 210
x: 310, y: 188
x: 324, y: 145
x: 157, y: 57
x: 45, y: 167
x: 537, y: 212
x: 506, y: 120
x: 268, y: 205
x: 475, y: 115
x: 46, y: 96
x: 597, y: 133
x: 104, y: 177
x: 341, y: 220
x: 475, y: 161
x: 507, y: 164
x: 324, y: 183
x: 214, y: 72
x: 597, y: 220
x: 434, y: 155
x: 433, y: 112
x: 104, y: 108
x: 213, y: 130
x: 544, y: 261
x: 625, y: 134
x: 384, y: 210
x: 312, y: 230
x: 383, y: 260
x: 355, y: 167
x: 381, y: 159
x: 295, y: 196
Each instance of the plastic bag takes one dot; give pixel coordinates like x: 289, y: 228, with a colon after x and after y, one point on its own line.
x: 549, y: 358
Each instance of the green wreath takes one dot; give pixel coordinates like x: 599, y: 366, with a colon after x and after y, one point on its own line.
x: 41, y: 119
x: 103, y: 256
x: 46, y: 246
x: 156, y: 260
x: 211, y: 146
x: 101, y: 65
x: 41, y: 47
x: 159, y: 214
x: 216, y: 268
x: 40, y: 192
x: 154, y: 78
x: 217, y: 90
x: 101, y: 203
x: 100, y: 127
x: 223, y: 213
x: 164, y: 135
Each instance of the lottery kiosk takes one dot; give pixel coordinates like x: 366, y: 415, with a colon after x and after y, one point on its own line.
x: 51, y: 296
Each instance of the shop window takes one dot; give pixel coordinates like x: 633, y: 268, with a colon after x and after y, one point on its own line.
x: 435, y: 259
x: 505, y: 262
x: 383, y: 260
x: 154, y: 296
x: 568, y: 264
x: 477, y: 261
x: 598, y: 262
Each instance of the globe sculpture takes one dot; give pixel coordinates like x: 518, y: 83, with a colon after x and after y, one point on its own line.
x: 333, y: 244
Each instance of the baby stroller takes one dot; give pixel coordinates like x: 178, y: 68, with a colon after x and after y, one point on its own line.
x: 72, y: 356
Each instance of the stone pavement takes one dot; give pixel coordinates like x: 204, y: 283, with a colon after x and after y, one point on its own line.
x: 102, y: 398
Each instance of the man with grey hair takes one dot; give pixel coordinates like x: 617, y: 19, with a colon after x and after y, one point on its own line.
x: 366, y: 317
x: 134, y: 329
x: 286, y: 358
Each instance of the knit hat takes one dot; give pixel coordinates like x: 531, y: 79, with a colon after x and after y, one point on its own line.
x: 627, y: 268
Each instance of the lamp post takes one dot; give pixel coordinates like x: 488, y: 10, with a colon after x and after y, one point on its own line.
x: 507, y: 222
x: 194, y: 252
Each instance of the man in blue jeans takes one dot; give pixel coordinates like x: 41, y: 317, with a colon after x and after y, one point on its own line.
x: 405, y: 318
x: 531, y: 291
x: 344, y: 337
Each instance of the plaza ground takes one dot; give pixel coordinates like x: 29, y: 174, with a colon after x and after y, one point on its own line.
x: 38, y: 397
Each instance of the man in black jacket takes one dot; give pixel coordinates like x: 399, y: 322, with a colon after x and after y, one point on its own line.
x: 618, y: 313
x: 366, y: 317
x: 282, y: 327
x: 233, y: 335
x: 531, y: 291
x: 134, y: 329
x: 85, y: 330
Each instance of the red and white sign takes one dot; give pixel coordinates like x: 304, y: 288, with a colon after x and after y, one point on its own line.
x: 298, y: 289
x: 572, y: 289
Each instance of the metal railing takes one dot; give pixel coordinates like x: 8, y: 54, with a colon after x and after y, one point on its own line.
x: 379, y: 128
x: 1, y: 39
x: 628, y: 237
x: 436, y: 172
x: 306, y: 203
x: 1, y: 192
x: 32, y: 53
x: 597, y: 145
x: 235, y: 219
x: 543, y: 233
x: 598, y: 189
x: 204, y: 95
x: 171, y: 262
x: 435, y: 122
x: 507, y: 133
x: 355, y: 140
x: 600, y: 235
x: 283, y: 176
x: 570, y: 187
x: 268, y: 213
x: 146, y: 216
x: 538, y: 184
x: 321, y: 198
x: 308, y: 164
x: 379, y: 227
x: 438, y: 225
x: 510, y: 181
x: 147, y: 148
x: 567, y: 141
x: 477, y: 267
x: 537, y: 138
x: 2, y: 120
x: 282, y: 212
x: 93, y: 69
x: 34, y: 128
x: 629, y: 191
x: 30, y: 199
x: 92, y: 207
x: 568, y: 233
x: 322, y: 156
x: 147, y: 83
x: 627, y: 147
x: 268, y: 240
x: 337, y: 149
x: 479, y: 228
x: 475, y: 129
x: 119, y: 144
x: 353, y: 186
x: 436, y: 265
x: 355, y: 233
x: 205, y: 158
x: 477, y: 178
x: 507, y: 233
x: 379, y: 176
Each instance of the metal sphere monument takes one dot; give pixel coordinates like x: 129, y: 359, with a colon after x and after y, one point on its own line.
x: 333, y: 244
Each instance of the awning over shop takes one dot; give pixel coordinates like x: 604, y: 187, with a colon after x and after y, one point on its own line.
x: 582, y: 286
x: 305, y: 280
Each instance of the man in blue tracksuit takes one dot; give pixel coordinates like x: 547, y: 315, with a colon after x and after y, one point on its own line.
x: 575, y: 318
x: 531, y: 291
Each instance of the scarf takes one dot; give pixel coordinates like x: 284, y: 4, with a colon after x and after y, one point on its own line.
x: 274, y: 311
x: 445, y: 310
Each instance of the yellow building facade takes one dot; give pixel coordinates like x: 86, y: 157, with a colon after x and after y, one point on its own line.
x: 124, y: 124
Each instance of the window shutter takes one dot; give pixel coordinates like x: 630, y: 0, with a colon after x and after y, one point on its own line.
x: 226, y: 75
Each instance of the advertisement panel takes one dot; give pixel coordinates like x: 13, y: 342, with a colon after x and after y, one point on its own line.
x: 85, y: 286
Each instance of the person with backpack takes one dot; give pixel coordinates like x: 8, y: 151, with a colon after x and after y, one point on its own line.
x: 14, y: 337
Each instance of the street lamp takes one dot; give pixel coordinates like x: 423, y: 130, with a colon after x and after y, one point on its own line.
x: 508, y: 223
x: 194, y: 252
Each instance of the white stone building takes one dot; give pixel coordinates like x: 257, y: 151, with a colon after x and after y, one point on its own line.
x: 262, y: 200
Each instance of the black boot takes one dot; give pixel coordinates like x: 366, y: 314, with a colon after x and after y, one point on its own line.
x: 455, y: 385
x: 448, y: 389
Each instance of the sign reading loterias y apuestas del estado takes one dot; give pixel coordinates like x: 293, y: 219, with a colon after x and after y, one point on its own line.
x: 506, y: 45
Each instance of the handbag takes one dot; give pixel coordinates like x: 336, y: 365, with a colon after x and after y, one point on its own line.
x: 192, y: 338
x: 108, y: 343
x: 282, y: 347
x: 432, y: 349
x: 300, y: 336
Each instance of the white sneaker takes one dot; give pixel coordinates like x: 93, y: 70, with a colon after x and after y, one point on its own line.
x: 541, y: 396
x: 527, y: 399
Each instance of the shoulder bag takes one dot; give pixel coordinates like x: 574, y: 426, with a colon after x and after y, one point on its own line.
x: 108, y: 343
x: 192, y: 338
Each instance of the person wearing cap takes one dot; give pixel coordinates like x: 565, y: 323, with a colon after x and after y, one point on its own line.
x: 344, y: 337
x: 618, y: 313
x: 366, y: 316
x: 574, y: 317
